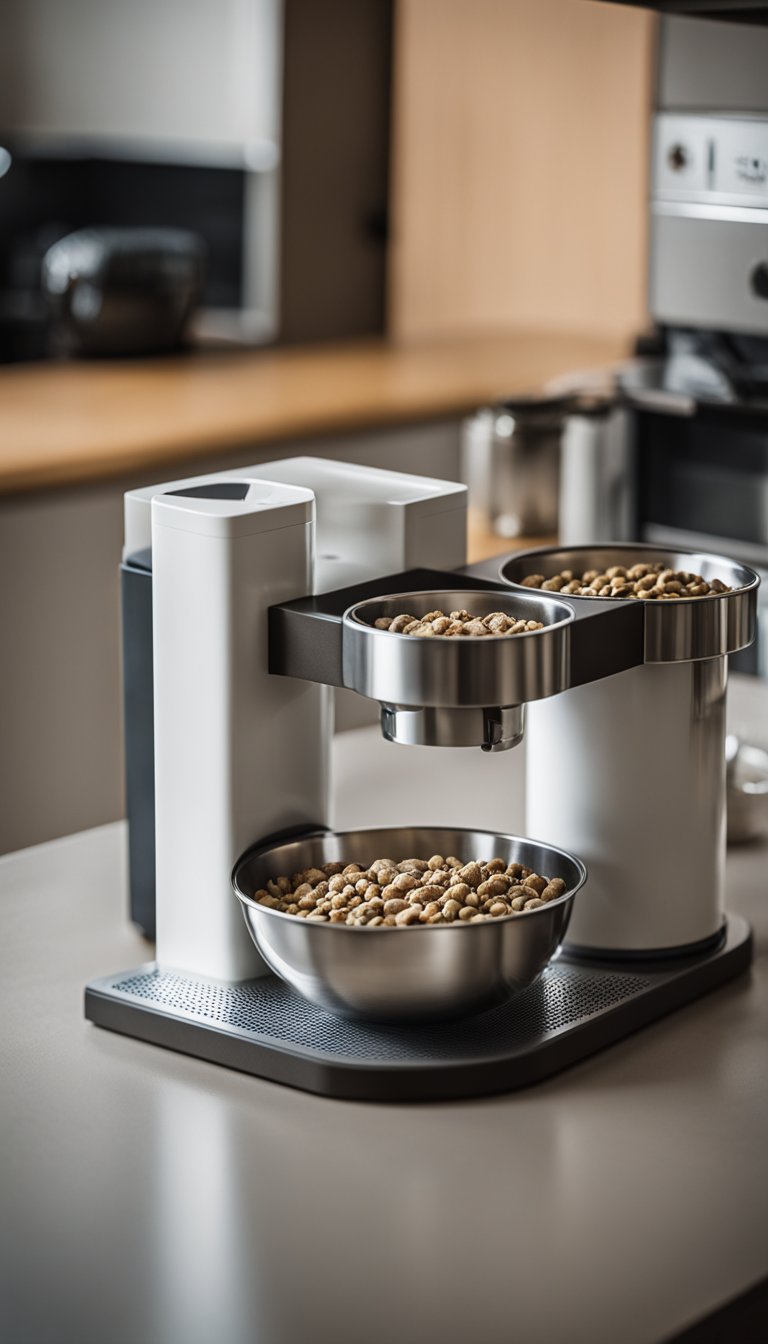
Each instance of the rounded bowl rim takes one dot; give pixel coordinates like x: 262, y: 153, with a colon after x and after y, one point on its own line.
x: 255, y: 850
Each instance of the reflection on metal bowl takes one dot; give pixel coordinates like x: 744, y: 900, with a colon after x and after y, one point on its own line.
x: 422, y: 972
x: 746, y: 790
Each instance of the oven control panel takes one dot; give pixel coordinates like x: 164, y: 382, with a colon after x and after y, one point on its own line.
x: 714, y: 160
x: 709, y: 223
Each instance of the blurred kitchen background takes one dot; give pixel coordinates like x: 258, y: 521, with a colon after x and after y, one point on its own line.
x: 522, y: 243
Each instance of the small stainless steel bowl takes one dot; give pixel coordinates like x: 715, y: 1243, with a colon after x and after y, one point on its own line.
x: 421, y: 972
x: 457, y: 692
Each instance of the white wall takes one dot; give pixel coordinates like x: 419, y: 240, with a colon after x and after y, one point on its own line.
x: 188, y: 79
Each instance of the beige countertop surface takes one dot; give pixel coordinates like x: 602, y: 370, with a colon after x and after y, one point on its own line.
x: 149, y: 1197
x: 91, y: 420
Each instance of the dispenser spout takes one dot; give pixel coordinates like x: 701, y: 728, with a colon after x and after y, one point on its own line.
x: 495, y: 729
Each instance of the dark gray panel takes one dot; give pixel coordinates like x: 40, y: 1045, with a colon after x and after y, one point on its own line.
x: 335, y: 168
x: 262, y: 1027
x: 705, y: 65
x: 139, y: 735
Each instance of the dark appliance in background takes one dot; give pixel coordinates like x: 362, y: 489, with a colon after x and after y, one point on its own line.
x: 677, y: 455
x: 45, y: 198
x: 293, y: 255
x: 123, y: 291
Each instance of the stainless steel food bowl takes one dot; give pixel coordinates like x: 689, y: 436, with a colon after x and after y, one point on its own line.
x: 417, y: 973
x: 690, y: 629
x: 457, y: 692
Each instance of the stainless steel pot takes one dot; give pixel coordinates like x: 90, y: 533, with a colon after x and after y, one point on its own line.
x: 417, y: 973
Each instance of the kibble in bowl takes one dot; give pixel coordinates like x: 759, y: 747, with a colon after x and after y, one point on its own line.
x: 649, y: 582
x: 432, y: 941
x: 456, y: 624
x: 629, y: 571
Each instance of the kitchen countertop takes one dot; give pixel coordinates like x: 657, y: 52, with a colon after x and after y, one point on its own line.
x: 152, y: 1197
x: 87, y: 420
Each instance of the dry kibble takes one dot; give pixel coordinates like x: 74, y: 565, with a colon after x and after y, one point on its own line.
x: 436, y: 624
x: 425, y: 891
x: 537, y: 883
x: 394, y: 905
x: 430, y: 891
x: 493, y: 886
x: 405, y: 882
x: 557, y: 886
x: 458, y: 891
x: 649, y: 582
x: 408, y: 916
x: 471, y: 874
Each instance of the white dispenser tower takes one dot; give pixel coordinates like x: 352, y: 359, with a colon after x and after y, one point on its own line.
x: 238, y: 753
x: 232, y: 753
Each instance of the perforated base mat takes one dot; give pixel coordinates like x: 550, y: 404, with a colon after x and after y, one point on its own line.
x: 263, y: 1027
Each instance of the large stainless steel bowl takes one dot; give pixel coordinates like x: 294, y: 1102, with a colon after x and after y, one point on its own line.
x: 420, y: 972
